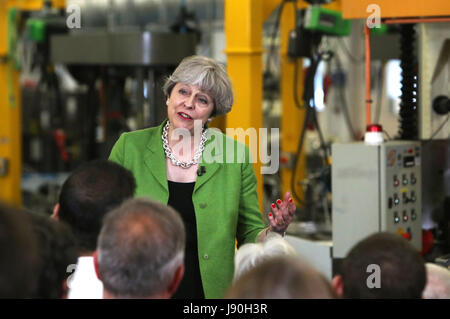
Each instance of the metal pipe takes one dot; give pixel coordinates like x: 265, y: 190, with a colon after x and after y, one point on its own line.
x: 112, y: 14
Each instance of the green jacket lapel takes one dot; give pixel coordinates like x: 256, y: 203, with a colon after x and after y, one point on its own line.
x: 155, y: 158
x: 212, y: 159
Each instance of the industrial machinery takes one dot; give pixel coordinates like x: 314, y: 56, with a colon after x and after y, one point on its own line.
x: 370, y: 192
x: 376, y: 188
x: 82, y: 85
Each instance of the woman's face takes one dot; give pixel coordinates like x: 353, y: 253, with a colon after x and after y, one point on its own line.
x: 186, y: 104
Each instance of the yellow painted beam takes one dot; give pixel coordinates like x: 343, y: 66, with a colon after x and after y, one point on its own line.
x: 60, y: 4
x: 10, y: 136
x: 31, y: 5
x: 243, y: 30
x: 356, y: 9
x: 335, y: 5
x: 10, y: 119
x: 291, y: 117
x: 3, y: 32
x: 268, y: 6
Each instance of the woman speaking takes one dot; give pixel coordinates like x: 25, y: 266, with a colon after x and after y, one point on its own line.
x: 215, y: 194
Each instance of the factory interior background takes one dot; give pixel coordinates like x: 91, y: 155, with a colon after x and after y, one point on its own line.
x: 368, y: 137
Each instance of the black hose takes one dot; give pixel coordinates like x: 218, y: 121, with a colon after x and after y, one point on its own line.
x: 323, y: 145
x: 297, y: 158
x: 408, y: 129
x: 310, y: 117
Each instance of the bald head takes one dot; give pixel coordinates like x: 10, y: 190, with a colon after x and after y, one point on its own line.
x: 140, y: 246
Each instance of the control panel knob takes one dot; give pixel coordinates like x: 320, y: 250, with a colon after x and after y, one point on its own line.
x: 405, y: 179
x: 396, y: 218
x: 405, y: 216
x: 396, y: 181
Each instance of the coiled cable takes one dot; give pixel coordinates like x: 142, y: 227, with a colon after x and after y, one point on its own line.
x: 408, y: 126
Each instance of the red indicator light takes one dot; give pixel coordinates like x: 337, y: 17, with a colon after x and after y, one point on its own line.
x: 374, y: 128
x: 406, y: 236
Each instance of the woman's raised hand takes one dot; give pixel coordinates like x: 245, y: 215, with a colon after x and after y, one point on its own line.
x: 282, y: 213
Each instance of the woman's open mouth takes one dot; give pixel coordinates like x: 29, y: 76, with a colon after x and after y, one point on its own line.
x: 184, y: 116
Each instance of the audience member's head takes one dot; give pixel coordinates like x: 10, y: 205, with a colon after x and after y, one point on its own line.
x: 141, y: 250
x: 56, y: 251
x: 438, y: 282
x: 18, y: 255
x: 382, y: 266
x: 88, y: 194
x: 250, y: 255
x: 283, y: 277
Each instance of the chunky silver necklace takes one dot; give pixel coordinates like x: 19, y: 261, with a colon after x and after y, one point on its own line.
x: 172, y: 157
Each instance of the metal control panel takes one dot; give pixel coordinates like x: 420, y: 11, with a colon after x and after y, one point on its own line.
x: 376, y: 188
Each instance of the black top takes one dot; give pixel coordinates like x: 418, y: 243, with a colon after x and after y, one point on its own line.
x: 180, y: 198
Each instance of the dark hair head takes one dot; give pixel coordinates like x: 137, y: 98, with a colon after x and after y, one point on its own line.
x: 89, y: 193
x: 140, y: 247
x: 56, y: 251
x: 18, y: 255
x: 401, y: 268
x: 283, y: 277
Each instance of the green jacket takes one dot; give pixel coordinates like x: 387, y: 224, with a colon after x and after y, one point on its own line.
x: 225, y: 197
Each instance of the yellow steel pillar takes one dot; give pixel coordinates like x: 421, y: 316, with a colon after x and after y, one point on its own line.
x: 291, y: 117
x: 10, y: 119
x: 243, y: 30
x: 10, y: 106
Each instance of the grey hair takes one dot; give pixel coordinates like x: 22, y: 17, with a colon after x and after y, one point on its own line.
x: 250, y: 255
x: 140, y: 246
x: 209, y: 75
x: 282, y: 277
x: 438, y: 282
